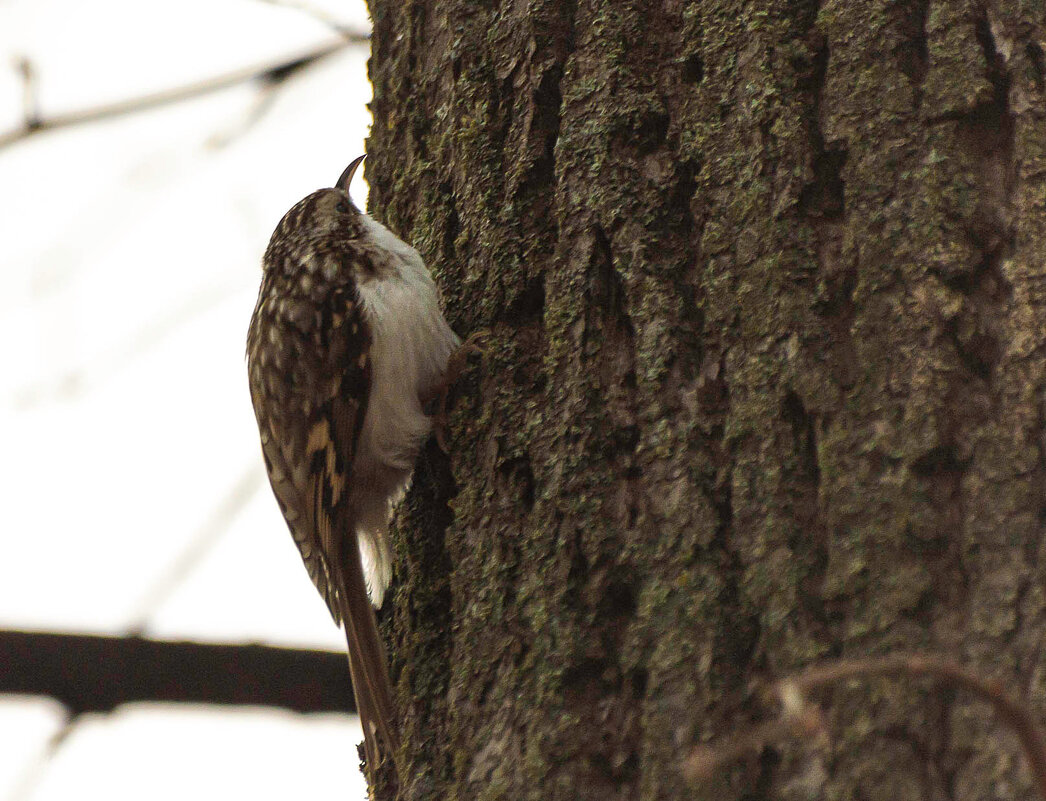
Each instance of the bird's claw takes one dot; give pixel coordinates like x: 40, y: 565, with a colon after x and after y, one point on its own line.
x: 456, y: 364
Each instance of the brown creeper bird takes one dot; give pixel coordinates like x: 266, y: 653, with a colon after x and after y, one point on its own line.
x: 346, y: 342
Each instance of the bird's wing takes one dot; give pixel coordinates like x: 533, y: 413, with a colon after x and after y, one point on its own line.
x: 301, y: 516
x: 330, y: 448
x: 310, y: 381
x: 310, y: 384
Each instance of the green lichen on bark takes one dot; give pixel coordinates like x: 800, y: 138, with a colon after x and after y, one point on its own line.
x: 764, y: 385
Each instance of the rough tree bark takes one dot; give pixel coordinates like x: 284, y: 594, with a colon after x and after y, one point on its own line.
x: 766, y: 385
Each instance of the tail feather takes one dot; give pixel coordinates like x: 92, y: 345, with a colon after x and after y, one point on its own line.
x: 367, y: 664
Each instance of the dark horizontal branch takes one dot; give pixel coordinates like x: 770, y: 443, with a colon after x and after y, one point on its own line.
x: 272, y: 72
x: 89, y: 673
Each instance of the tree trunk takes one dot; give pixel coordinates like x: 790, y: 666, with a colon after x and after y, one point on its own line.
x: 765, y: 284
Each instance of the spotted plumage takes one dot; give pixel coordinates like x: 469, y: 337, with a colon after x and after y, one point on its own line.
x: 346, y: 341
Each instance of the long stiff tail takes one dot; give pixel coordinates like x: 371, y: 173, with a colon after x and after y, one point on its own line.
x: 367, y: 664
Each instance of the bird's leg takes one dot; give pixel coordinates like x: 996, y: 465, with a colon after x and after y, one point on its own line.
x: 475, y: 344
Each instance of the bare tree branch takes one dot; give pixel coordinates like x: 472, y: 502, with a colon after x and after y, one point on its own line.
x: 28, y: 779
x: 89, y: 673
x: 214, y: 527
x: 798, y: 718
x: 270, y: 73
x: 315, y: 12
x: 30, y: 103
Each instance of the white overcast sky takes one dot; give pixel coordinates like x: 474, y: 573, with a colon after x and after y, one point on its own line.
x: 130, y: 474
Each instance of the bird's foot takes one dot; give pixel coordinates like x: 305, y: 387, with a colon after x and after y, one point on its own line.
x: 459, y: 359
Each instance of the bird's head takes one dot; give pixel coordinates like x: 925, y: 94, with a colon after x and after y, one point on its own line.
x: 325, y: 213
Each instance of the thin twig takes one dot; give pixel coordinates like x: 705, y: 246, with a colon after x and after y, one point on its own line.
x: 796, y: 717
x: 315, y: 12
x: 29, y: 777
x: 214, y: 527
x: 705, y: 760
x: 263, y: 101
x: 267, y: 72
x: 30, y: 102
x: 1012, y: 714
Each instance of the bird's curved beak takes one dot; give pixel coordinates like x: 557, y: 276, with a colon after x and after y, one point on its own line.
x: 346, y: 177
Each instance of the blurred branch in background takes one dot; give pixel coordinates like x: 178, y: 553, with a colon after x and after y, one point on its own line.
x: 91, y: 673
x: 269, y: 75
x: 216, y: 524
x: 805, y: 722
x: 316, y: 13
x: 30, y: 103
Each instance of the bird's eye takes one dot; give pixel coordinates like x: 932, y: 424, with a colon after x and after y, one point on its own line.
x: 342, y: 206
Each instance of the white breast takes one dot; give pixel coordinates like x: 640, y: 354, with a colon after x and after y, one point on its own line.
x: 409, y: 352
